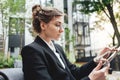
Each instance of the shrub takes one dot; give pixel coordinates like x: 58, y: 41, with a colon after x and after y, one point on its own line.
x: 7, y: 63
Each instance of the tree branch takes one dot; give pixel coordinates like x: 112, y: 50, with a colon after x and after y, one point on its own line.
x: 103, y: 9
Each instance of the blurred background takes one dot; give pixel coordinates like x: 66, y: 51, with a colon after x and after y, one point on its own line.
x: 89, y: 26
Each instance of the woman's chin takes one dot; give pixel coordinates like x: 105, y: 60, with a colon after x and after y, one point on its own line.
x: 57, y: 39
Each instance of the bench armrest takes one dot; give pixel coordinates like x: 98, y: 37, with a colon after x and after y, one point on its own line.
x: 12, y: 74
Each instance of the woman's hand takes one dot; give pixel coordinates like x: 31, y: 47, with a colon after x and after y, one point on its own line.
x: 98, y: 72
x: 105, y: 53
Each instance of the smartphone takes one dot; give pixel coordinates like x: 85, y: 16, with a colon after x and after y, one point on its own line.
x: 110, y: 58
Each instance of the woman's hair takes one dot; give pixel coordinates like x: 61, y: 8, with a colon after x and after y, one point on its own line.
x: 43, y: 14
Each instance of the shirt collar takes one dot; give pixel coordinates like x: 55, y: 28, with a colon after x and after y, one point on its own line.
x: 51, y: 45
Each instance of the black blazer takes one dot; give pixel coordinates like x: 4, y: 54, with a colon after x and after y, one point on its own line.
x: 40, y: 63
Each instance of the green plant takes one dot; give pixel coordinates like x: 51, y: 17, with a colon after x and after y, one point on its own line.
x: 7, y: 63
x: 1, y: 55
x: 68, y: 39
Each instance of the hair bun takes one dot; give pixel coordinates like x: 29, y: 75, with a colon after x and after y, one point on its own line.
x: 36, y: 9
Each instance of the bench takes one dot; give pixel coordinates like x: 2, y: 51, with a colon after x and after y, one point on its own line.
x: 11, y: 74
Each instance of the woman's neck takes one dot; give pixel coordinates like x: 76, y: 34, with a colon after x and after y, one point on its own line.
x: 45, y: 38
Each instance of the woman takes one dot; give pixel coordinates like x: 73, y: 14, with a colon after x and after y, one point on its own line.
x: 45, y: 60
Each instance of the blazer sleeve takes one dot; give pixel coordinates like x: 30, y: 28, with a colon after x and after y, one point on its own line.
x: 85, y: 78
x: 34, y: 66
x: 80, y: 73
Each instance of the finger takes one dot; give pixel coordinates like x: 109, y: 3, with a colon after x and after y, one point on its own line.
x: 105, y: 54
x: 98, y: 66
x: 106, y: 67
x: 105, y: 50
x: 103, y: 59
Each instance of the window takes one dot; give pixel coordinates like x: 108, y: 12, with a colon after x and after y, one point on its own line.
x: 12, y: 49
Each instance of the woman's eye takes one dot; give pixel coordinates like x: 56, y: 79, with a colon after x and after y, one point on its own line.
x: 57, y: 25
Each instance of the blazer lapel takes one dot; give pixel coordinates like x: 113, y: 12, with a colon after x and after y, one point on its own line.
x: 47, y: 50
x: 61, y: 56
x: 55, y: 58
x: 66, y: 67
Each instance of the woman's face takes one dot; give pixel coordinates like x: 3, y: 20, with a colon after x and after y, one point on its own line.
x: 54, y: 28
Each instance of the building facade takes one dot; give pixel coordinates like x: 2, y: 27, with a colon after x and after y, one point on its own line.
x: 18, y: 31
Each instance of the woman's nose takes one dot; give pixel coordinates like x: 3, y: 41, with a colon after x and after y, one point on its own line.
x: 61, y: 29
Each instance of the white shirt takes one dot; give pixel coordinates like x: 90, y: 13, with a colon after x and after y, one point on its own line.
x: 52, y: 47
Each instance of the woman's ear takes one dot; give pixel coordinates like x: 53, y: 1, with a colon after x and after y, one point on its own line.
x: 42, y: 25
